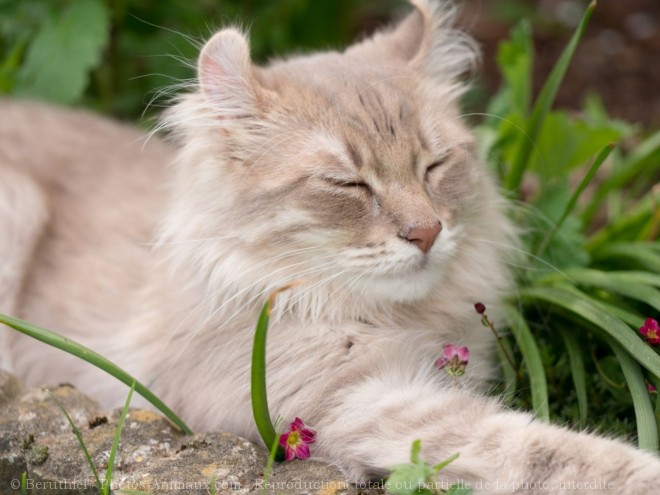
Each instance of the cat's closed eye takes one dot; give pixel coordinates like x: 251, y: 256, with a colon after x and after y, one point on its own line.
x: 348, y: 184
x: 436, y: 165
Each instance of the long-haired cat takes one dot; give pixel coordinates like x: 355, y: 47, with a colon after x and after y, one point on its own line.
x: 352, y: 172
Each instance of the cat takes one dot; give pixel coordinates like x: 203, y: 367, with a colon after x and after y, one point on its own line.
x: 350, y: 172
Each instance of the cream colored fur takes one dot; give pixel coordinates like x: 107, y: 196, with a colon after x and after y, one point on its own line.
x: 159, y: 256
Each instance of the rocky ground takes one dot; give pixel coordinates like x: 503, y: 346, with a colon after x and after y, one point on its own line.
x: 153, y: 457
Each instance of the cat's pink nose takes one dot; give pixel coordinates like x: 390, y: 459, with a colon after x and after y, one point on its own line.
x: 424, y: 237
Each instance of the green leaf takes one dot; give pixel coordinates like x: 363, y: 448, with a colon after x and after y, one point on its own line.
x: 564, y: 143
x: 647, y: 429
x: 565, y: 244
x: 82, y: 352
x: 406, y: 479
x: 635, y: 225
x: 630, y: 284
x: 269, y: 465
x: 415, y: 450
x: 107, y: 482
x: 459, y: 490
x: 79, y: 437
x: 543, y: 104
x: 596, y: 114
x: 532, y: 357
x: 515, y: 58
x: 645, y: 158
x: 66, y: 48
x: 640, y: 254
x: 578, y: 373
x: 438, y: 467
x: 510, y: 375
x: 581, y: 305
x: 570, y: 204
x: 258, y: 391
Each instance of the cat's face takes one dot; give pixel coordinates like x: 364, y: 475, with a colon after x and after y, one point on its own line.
x: 351, y: 168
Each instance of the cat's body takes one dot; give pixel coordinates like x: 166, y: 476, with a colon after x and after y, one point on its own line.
x: 352, y: 173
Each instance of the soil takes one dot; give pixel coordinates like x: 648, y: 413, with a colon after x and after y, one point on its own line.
x: 619, y: 57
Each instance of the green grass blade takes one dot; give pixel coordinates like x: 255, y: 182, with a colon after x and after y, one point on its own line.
x: 24, y: 483
x: 78, y: 435
x: 258, y: 384
x: 647, y: 428
x: 628, y: 317
x: 578, y: 373
x: 438, y: 467
x: 532, y: 357
x: 578, y: 303
x: 598, y: 161
x: 655, y: 381
x: 115, y: 443
x: 510, y: 375
x: 629, y: 284
x: 643, y: 254
x: 543, y: 103
x: 635, y: 222
x: 625, y: 276
x: 640, y: 159
x: 86, y: 354
x: 271, y: 460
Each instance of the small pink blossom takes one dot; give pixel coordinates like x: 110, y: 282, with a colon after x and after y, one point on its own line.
x: 454, y: 359
x: 651, y: 387
x: 296, y: 440
x: 651, y: 331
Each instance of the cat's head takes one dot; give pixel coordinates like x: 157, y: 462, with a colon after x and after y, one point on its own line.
x: 349, y: 170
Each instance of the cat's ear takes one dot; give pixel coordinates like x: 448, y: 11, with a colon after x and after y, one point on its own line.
x: 425, y: 41
x: 226, y: 74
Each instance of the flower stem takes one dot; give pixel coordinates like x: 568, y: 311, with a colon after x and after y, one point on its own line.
x: 487, y: 323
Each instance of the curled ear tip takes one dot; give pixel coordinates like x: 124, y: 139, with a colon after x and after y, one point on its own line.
x: 226, y: 52
x: 229, y: 39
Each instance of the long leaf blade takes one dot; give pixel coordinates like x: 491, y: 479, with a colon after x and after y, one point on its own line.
x: 578, y: 373
x: 543, y: 104
x: 78, y: 435
x: 533, y: 363
x: 598, y: 161
x: 643, y: 254
x: 629, y: 284
x: 578, y: 303
x: 86, y: 354
x: 258, y: 391
x: 647, y: 429
x: 633, y: 165
x: 107, y: 482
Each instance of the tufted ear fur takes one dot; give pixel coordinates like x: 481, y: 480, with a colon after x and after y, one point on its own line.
x: 226, y: 75
x: 424, y: 41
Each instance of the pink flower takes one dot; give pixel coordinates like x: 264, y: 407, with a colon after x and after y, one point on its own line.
x: 296, y: 440
x: 651, y: 388
x: 651, y: 331
x: 454, y: 359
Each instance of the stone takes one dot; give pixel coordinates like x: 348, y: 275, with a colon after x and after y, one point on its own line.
x: 153, y: 457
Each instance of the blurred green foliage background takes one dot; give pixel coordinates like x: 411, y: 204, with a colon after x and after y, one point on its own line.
x: 113, y: 55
